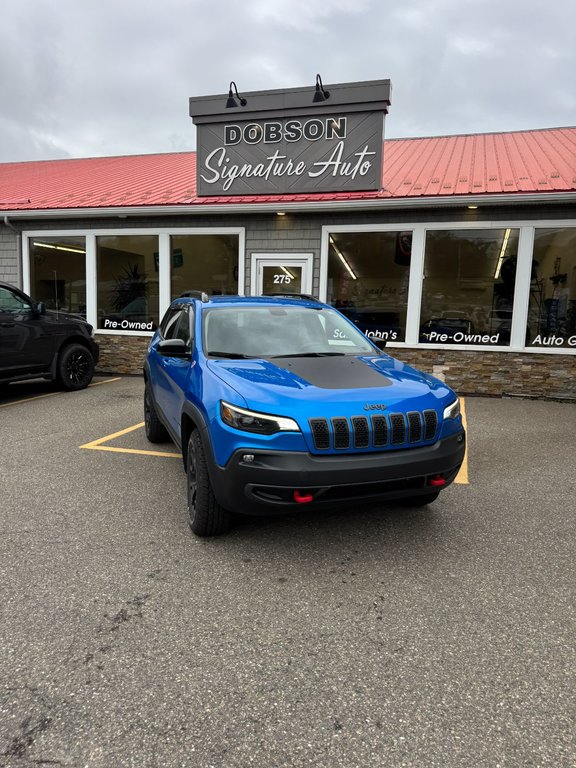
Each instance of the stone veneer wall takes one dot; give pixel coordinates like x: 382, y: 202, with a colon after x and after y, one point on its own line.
x: 497, y: 373
x: 468, y: 372
x: 121, y: 354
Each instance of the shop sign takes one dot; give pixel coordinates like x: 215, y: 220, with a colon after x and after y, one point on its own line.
x: 544, y: 340
x: 288, y: 142
x: 123, y: 324
x: 459, y: 337
x: 328, y: 154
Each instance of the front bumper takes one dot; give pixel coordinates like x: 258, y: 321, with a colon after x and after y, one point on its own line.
x: 267, y: 484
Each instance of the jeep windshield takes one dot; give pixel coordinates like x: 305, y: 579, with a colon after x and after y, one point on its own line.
x: 283, y: 331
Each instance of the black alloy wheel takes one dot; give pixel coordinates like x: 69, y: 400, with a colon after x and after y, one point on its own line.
x: 75, y: 367
x: 155, y: 431
x: 205, y: 515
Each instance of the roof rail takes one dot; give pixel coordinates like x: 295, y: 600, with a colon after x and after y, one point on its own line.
x: 305, y: 296
x: 195, y: 295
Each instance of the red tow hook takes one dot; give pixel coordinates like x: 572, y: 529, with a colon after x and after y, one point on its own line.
x: 437, y: 481
x: 303, y: 498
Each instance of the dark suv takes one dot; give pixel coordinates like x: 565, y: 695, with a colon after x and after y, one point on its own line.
x: 36, y: 343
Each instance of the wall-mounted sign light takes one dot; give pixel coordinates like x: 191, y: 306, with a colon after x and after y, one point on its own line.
x: 231, y: 101
x: 320, y: 94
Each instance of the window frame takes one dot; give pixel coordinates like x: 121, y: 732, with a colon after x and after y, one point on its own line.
x: 526, y: 229
x: 163, y: 234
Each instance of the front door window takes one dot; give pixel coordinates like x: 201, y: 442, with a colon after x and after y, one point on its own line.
x: 281, y: 274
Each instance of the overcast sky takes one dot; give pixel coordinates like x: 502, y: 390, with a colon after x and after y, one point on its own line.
x: 81, y: 78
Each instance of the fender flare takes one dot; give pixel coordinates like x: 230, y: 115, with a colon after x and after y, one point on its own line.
x: 193, y: 418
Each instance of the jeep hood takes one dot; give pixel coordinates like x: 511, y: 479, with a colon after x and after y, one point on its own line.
x: 331, y: 386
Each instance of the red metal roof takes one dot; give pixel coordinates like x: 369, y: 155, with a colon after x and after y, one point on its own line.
x: 442, y: 166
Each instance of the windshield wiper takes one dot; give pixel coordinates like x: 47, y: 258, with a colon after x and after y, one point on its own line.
x: 312, y: 354
x: 231, y: 355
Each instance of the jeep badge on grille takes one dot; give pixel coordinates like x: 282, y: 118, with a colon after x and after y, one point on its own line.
x: 375, y: 407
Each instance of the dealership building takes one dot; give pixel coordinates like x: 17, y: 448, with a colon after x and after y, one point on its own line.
x: 459, y: 250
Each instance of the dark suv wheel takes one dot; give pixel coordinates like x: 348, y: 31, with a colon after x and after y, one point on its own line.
x: 75, y: 367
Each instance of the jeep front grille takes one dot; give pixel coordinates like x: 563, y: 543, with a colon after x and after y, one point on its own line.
x: 378, y: 431
x: 320, y: 434
x: 414, y: 427
x: 398, y: 428
x: 430, y: 424
x: 341, y: 433
x: 361, y: 432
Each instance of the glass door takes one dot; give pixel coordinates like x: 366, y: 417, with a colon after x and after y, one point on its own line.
x: 281, y: 274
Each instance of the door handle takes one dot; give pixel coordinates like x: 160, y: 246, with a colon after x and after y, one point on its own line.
x: 6, y: 325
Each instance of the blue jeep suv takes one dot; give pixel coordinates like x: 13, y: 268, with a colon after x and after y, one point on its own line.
x: 280, y: 402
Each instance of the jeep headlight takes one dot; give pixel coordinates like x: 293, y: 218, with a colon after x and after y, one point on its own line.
x: 453, y: 410
x: 250, y: 421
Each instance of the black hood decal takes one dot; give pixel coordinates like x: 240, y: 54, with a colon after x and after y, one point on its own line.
x: 345, y: 372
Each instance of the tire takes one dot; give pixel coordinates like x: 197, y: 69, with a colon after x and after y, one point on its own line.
x: 418, y: 501
x: 205, y: 516
x: 75, y: 367
x: 156, y: 432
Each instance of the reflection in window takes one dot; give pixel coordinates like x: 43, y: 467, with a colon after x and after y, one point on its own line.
x: 468, y: 291
x: 552, y: 307
x: 127, y: 268
x: 58, y: 273
x: 11, y: 303
x: 204, y: 263
x: 368, y: 275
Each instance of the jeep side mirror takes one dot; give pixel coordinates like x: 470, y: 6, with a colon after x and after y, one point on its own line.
x: 173, y: 348
x: 380, y: 343
x: 41, y: 308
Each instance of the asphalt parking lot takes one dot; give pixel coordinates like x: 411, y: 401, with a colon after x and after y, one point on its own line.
x: 351, y: 638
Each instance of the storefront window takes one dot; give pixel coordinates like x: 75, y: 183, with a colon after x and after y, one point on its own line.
x: 368, y: 275
x: 127, y: 269
x: 468, y: 290
x: 204, y: 263
x: 58, y: 273
x: 552, y: 308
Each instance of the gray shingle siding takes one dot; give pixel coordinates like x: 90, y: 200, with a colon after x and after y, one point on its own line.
x: 9, y: 256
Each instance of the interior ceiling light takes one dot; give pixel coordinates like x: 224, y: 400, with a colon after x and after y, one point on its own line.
x: 320, y: 94
x: 502, y: 254
x: 60, y: 247
x: 472, y: 207
x: 342, y: 259
x: 231, y: 101
x: 280, y: 213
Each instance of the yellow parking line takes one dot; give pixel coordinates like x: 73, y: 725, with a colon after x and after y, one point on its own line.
x: 101, y: 440
x: 131, y: 450
x: 106, y: 381
x: 98, y: 445
x: 462, y: 476
x: 52, y: 394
